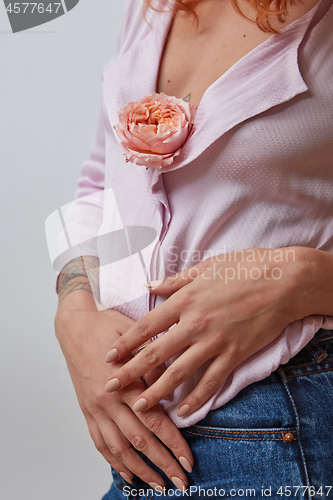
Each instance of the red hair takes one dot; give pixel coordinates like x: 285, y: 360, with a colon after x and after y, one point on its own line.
x: 262, y: 8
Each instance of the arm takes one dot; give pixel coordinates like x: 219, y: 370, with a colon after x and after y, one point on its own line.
x: 79, y: 274
x: 85, y: 335
x: 224, y: 318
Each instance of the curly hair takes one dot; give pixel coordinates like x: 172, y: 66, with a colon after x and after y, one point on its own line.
x: 263, y: 9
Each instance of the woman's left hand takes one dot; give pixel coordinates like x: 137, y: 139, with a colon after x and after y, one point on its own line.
x: 226, y: 308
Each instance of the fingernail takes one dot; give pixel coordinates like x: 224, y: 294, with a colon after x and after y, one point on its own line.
x: 153, y: 284
x: 155, y: 486
x: 140, y: 405
x: 185, y: 463
x: 183, y: 410
x: 111, y: 356
x: 126, y: 477
x: 178, y: 483
x: 112, y: 385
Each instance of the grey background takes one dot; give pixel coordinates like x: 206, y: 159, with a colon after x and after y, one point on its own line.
x: 50, y: 90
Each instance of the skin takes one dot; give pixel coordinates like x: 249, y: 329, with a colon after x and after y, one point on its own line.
x: 191, y: 61
x: 85, y: 331
x: 193, y: 58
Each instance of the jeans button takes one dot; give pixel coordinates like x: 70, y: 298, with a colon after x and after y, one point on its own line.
x: 289, y: 437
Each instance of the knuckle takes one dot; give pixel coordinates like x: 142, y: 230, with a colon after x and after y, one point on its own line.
x: 175, y: 375
x: 197, y: 323
x: 211, y: 384
x: 185, y: 299
x: 98, y: 402
x: 154, y: 424
x: 116, y: 452
x: 150, y: 355
x: 139, y: 443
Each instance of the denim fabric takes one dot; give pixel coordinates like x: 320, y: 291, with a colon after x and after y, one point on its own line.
x: 274, y: 436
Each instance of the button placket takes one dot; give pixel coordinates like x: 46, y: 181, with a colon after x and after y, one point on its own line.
x: 163, y: 211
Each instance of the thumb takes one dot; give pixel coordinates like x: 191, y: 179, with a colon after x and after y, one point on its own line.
x: 176, y: 281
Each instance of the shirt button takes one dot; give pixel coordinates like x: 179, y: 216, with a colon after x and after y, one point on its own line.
x: 289, y: 437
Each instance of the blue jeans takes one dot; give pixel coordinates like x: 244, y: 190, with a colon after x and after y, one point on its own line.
x: 274, y: 439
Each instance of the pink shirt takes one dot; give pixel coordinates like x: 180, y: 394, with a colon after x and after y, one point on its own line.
x: 257, y: 172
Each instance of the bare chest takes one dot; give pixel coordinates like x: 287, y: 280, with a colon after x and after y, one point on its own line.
x: 192, y: 60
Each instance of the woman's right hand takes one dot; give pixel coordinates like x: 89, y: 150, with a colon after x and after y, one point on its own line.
x: 85, y: 336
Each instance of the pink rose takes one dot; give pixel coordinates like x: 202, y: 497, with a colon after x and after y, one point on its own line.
x: 153, y: 130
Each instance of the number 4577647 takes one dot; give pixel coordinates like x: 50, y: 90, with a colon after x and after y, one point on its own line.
x: 293, y: 491
x: 31, y: 7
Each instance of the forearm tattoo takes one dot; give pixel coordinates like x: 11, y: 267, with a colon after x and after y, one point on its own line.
x: 79, y: 274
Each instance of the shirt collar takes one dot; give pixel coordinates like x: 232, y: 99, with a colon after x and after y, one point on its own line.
x: 267, y: 76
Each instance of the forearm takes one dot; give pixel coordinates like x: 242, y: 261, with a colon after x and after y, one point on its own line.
x: 78, y: 308
x: 78, y: 290
x: 80, y: 275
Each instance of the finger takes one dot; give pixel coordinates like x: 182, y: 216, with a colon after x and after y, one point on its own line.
x: 151, y: 376
x: 122, y: 452
x: 176, y: 281
x: 212, y: 380
x: 179, y: 371
x: 154, y: 322
x: 154, y: 374
x: 102, y: 447
x: 137, y: 434
x: 138, y: 349
x: 153, y: 355
x: 160, y: 424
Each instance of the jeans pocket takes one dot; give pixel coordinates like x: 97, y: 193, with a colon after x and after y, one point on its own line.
x: 286, y: 435
x: 245, y: 460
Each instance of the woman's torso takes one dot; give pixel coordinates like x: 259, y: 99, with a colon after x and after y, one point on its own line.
x: 257, y: 170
